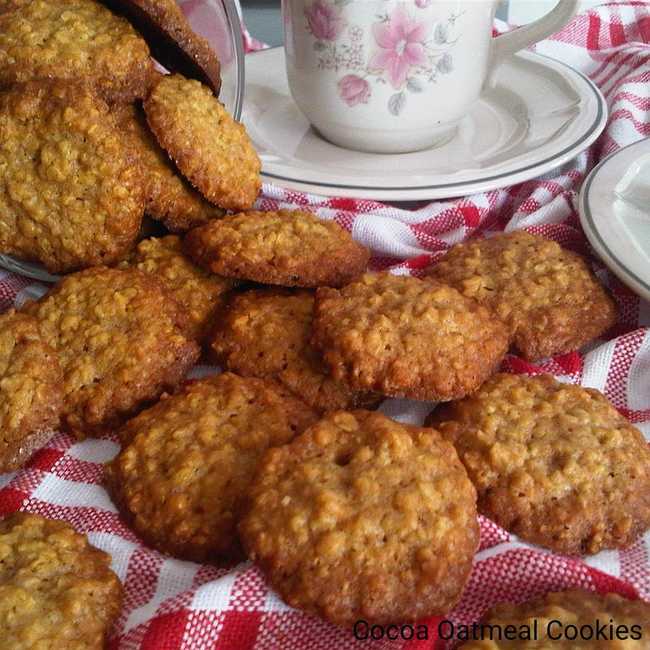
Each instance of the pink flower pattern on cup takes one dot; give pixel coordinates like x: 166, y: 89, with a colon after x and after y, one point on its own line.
x: 354, y: 90
x: 405, y: 52
x: 401, y: 42
x: 324, y: 20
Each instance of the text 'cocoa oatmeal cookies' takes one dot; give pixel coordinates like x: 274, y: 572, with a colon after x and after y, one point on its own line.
x: 200, y: 294
x: 168, y: 197
x: 548, y: 296
x: 404, y: 337
x: 188, y: 461
x: 556, y: 464
x: 209, y: 147
x: 120, y: 339
x: 31, y: 397
x: 362, y: 517
x: 56, y: 590
x: 558, y: 614
x: 172, y: 41
x: 292, y: 248
x: 266, y: 332
x: 77, y: 40
x: 70, y: 191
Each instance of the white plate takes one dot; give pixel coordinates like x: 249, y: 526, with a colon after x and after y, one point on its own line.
x: 615, y: 214
x: 540, y: 114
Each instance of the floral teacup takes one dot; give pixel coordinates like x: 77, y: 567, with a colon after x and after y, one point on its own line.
x: 392, y: 76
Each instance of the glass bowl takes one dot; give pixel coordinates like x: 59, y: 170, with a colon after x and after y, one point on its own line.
x: 218, y: 21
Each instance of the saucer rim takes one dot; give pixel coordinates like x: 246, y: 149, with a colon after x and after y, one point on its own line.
x: 454, y: 189
x: 629, y: 277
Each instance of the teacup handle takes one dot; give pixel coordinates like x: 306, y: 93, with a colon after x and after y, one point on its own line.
x: 507, y: 44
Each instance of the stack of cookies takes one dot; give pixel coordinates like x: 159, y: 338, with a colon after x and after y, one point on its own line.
x: 93, y: 137
x: 282, y: 457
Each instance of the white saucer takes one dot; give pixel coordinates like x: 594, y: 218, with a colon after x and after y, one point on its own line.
x: 540, y: 114
x: 615, y: 214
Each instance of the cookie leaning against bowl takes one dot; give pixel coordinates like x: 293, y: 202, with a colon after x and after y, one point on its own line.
x: 58, y: 591
x: 70, y: 190
x: 209, y: 147
x: 265, y: 333
x: 292, y: 248
x: 31, y: 397
x: 199, y: 293
x: 120, y: 339
x: 362, y: 517
x: 75, y: 40
x: 558, y: 614
x: 556, y: 464
x: 187, y: 461
x: 405, y: 337
x: 169, y: 197
x: 547, y: 295
x: 172, y: 41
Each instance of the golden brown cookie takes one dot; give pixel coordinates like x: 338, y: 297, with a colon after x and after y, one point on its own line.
x: 171, y: 39
x: 188, y: 461
x: 70, y: 191
x: 569, y: 620
x: 76, y: 40
x: 56, y: 590
x: 548, y: 296
x: 199, y: 293
x: 30, y: 390
x: 210, y: 148
x: 119, y: 337
x: 292, y: 248
x: 265, y: 333
x: 169, y: 197
x: 404, y: 337
x: 556, y: 464
x: 362, y: 517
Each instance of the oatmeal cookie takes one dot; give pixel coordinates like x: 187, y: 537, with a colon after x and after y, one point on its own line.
x: 171, y: 39
x: 548, y: 296
x: 188, y: 461
x: 199, y: 293
x: 56, y: 590
x: 571, y: 609
x: 210, y: 148
x: 119, y: 337
x: 556, y: 464
x: 362, y: 517
x: 30, y: 390
x: 266, y: 332
x: 70, y: 193
x: 404, y: 337
x: 74, y: 40
x: 292, y: 248
x: 169, y: 197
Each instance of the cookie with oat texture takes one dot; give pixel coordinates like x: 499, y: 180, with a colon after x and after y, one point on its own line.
x: 548, y: 296
x: 292, y: 248
x: 209, y: 147
x: 121, y: 341
x: 404, y: 337
x: 31, y: 397
x: 362, y: 517
x: 187, y: 462
x: 58, y: 591
x: 554, y: 463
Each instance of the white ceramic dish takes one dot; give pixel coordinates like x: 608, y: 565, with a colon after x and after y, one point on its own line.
x: 218, y: 21
x: 615, y: 214
x: 540, y: 114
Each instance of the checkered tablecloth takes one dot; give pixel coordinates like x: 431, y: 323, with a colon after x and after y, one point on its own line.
x: 171, y: 604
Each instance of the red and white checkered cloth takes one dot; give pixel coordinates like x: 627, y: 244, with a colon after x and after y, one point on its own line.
x: 171, y: 604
